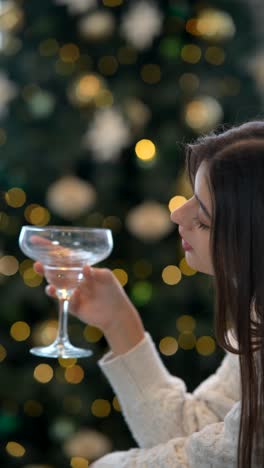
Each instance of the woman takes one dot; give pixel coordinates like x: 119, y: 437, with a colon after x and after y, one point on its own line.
x: 220, y: 424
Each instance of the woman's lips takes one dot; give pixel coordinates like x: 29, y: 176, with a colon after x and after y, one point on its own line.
x: 185, y: 245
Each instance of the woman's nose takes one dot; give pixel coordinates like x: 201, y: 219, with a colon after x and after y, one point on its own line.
x: 180, y: 215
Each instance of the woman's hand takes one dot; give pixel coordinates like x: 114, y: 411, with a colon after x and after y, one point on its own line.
x: 100, y: 301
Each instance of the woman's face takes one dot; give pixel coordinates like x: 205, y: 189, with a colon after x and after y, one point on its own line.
x: 188, y: 216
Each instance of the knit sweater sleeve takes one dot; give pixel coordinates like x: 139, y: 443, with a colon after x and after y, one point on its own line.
x: 156, y: 405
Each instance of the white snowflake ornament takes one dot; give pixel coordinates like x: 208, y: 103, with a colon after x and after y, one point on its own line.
x: 107, y: 135
x: 141, y: 24
x: 76, y: 7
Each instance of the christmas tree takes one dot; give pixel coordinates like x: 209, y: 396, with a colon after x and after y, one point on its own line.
x: 97, y: 100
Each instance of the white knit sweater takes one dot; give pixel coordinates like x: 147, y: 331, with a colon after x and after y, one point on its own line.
x: 173, y: 428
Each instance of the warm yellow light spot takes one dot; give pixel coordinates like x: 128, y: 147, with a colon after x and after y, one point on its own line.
x: 92, y: 334
x: 104, y: 98
x: 20, y: 331
x: 3, y: 353
x: 79, y: 462
x: 74, y: 374
x: 151, y: 73
x: 205, y: 345
x: 191, y: 53
x: 186, y: 340
x: 168, y: 346
x: 127, y: 55
x: 3, y: 136
x: 33, y: 408
x: 48, y: 47
x: 39, y: 216
x: 25, y: 265
x: 185, y: 323
x: 189, y: 82
x: 145, y: 149
x: 215, y: 55
x: 171, y: 275
x: 87, y: 88
x: 101, y: 408
x: 45, y: 332
x: 69, y: 362
x: 69, y: 53
x: 15, y: 197
x: 108, y: 65
x: 112, y: 3
x: 185, y: 268
x: 121, y: 275
x: 8, y: 265
x: 191, y: 27
x: 43, y: 373
x: 15, y: 449
x: 215, y: 24
x: 31, y: 278
x: 142, y: 269
x: 176, y: 202
x: 116, y: 404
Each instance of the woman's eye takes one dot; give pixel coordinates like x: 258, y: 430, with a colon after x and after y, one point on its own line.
x: 200, y: 224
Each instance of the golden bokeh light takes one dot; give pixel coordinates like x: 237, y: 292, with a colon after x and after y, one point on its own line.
x: 150, y: 73
x: 79, y: 462
x: 185, y: 323
x: 108, y: 65
x: 104, y: 98
x: 33, y: 408
x: 48, y: 47
x: 31, y: 278
x: 43, y: 373
x: 171, y: 275
x: 205, y: 345
x: 189, y: 82
x: 176, y: 202
x: 121, y: 275
x: 116, y: 404
x: 45, y: 332
x: 168, y: 345
x: 215, y: 24
x: 15, y: 197
x: 67, y: 362
x: 145, y: 149
x: 20, y: 331
x: 39, y: 216
x: 3, y: 353
x: 69, y: 53
x: 101, y: 408
x: 191, y: 26
x: 185, y: 268
x: 9, y: 265
x: 15, y: 449
x: 86, y: 89
x: 92, y: 334
x: 215, y: 55
x: 191, y: 53
x: 203, y: 114
x: 74, y: 374
x: 186, y: 340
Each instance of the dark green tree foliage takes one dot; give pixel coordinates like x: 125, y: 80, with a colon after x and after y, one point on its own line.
x: 41, y: 141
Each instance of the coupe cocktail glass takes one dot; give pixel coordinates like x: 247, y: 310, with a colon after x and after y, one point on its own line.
x: 64, y: 251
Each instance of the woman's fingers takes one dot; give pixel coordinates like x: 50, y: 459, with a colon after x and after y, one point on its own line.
x: 38, y: 267
x: 51, y: 290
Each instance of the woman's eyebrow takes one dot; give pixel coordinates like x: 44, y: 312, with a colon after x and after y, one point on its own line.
x: 203, y: 207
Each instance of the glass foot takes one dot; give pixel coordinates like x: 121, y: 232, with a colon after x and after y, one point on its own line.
x: 61, y: 350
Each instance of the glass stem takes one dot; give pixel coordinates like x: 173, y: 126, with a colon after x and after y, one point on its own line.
x: 62, y: 335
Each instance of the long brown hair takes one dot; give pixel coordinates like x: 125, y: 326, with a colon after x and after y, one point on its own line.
x: 235, y: 161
